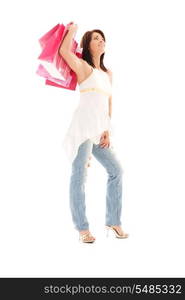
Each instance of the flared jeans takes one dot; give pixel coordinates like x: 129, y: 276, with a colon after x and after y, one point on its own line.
x: 109, y: 160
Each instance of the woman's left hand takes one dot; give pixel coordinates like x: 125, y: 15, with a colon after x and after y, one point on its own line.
x: 104, y: 140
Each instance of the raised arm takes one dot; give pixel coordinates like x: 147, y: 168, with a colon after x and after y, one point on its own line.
x: 72, y: 60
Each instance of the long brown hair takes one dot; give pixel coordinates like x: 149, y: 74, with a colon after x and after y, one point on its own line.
x: 86, y: 55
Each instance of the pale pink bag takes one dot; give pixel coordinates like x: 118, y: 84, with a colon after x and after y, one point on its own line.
x: 54, y: 68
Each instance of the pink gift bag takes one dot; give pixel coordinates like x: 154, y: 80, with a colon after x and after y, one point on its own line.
x: 54, y: 68
x: 50, y: 43
x: 44, y: 39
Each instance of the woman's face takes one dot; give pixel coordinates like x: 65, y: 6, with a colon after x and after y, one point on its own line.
x: 97, y: 44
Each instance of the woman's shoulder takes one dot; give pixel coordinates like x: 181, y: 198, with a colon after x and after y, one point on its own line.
x: 109, y: 71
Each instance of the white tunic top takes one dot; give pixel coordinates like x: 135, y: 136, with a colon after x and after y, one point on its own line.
x: 91, y: 117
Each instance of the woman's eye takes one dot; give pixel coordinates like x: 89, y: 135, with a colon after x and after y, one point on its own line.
x: 97, y: 38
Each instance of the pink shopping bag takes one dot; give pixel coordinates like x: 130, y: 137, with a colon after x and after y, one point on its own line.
x: 44, y: 39
x: 70, y: 83
x: 51, y: 42
x: 54, y: 68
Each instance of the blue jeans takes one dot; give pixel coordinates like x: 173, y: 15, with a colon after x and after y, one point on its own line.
x: 109, y: 161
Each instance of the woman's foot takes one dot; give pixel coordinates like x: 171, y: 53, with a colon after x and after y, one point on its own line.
x: 86, y: 237
x: 118, y: 231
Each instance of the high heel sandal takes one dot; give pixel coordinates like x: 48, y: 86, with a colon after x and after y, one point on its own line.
x: 83, y: 237
x: 117, y: 234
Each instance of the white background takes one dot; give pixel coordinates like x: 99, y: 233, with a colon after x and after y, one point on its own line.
x: 146, y: 52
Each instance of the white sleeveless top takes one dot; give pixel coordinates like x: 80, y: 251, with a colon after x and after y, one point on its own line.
x: 91, y: 117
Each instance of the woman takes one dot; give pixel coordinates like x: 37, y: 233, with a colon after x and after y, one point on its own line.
x: 89, y: 131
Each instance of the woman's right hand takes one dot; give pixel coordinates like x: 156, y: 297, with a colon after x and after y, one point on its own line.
x: 72, y: 26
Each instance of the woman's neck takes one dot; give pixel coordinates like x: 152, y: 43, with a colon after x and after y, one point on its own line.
x: 96, y: 62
